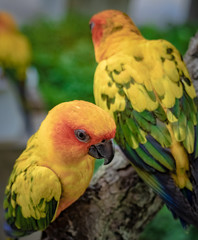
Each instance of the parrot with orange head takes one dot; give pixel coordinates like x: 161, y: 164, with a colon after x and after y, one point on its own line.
x: 15, y: 50
x: 145, y: 86
x: 57, y: 165
x: 15, y: 59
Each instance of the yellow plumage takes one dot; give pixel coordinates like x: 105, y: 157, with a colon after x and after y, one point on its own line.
x: 145, y: 85
x: 57, y: 165
x: 15, y: 50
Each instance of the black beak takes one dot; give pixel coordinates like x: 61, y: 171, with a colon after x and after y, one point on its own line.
x: 104, y: 150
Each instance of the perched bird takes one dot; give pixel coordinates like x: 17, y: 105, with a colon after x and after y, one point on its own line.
x: 145, y: 86
x: 15, y: 50
x: 15, y: 47
x: 57, y: 165
x: 15, y: 58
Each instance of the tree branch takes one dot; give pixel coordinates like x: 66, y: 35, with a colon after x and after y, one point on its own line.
x: 191, y: 60
x: 117, y: 205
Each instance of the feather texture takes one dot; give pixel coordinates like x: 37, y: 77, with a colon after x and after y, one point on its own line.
x: 145, y: 86
x: 56, y: 167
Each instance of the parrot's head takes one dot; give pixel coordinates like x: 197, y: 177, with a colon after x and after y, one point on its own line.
x: 7, y: 22
x: 77, y: 129
x: 106, y: 23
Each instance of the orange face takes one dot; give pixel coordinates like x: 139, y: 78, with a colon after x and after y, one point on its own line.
x: 96, y: 25
x: 74, y: 127
x: 7, y: 22
x: 105, y: 23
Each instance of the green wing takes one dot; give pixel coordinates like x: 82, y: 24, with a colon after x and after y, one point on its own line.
x: 31, y: 199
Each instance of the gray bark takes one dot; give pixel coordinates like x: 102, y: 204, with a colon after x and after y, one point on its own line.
x: 117, y: 205
x: 191, y: 60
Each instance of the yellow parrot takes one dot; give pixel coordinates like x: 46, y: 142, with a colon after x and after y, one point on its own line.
x: 15, y: 58
x: 57, y: 165
x: 145, y: 86
x: 15, y: 50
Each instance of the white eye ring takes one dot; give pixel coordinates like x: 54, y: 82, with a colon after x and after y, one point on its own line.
x: 81, y: 135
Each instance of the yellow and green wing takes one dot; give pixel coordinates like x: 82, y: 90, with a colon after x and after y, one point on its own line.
x: 31, y: 199
x: 151, y: 97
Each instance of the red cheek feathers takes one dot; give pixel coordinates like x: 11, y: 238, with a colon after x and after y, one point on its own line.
x: 97, y: 30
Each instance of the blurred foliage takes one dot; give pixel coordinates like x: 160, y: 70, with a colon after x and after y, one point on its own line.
x: 165, y: 227
x: 64, y: 56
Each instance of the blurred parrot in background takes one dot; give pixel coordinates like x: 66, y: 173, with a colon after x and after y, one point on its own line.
x: 15, y: 58
x: 15, y: 50
x: 57, y: 165
x: 145, y: 86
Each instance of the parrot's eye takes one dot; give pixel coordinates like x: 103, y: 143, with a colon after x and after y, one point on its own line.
x: 91, y: 25
x: 81, y: 135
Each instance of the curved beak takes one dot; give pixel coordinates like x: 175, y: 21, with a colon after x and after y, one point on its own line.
x: 104, y: 150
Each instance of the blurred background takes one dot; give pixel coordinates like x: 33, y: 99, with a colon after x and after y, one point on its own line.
x: 47, y: 57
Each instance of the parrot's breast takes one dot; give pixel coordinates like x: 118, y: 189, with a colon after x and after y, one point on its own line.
x: 75, y: 180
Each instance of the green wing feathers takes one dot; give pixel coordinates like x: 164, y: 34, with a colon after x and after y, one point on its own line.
x: 31, y: 198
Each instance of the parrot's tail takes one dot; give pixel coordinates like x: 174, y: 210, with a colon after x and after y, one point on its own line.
x: 181, y: 202
x: 184, y: 203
